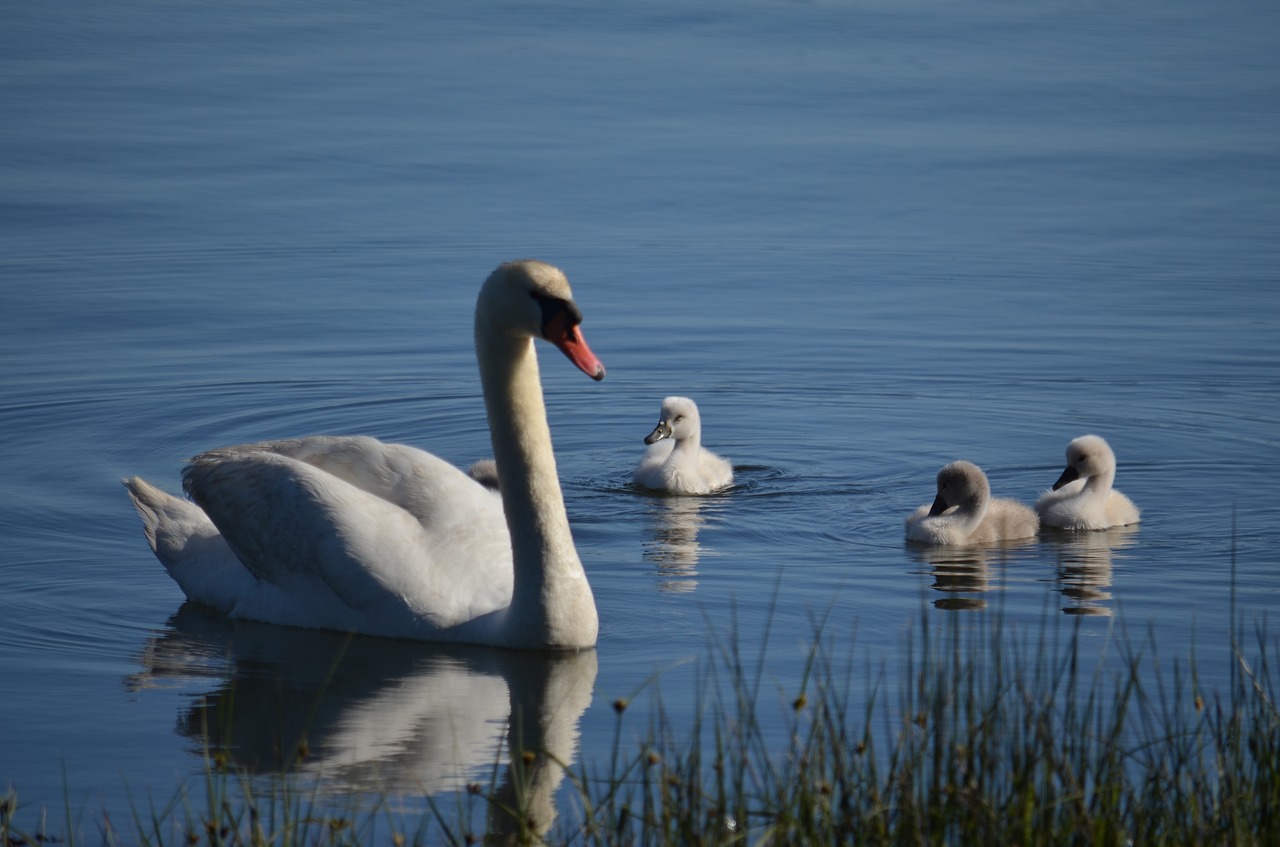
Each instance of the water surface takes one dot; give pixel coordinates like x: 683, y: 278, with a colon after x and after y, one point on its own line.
x: 868, y: 238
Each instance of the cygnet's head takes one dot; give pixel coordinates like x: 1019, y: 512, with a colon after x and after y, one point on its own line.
x: 960, y: 484
x: 679, y: 420
x: 1088, y: 455
x: 531, y: 299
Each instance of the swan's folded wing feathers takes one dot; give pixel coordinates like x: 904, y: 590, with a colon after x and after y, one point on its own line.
x: 356, y: 459
x: 283, y: 520
x: 412, y: 479
x: 294, y: 525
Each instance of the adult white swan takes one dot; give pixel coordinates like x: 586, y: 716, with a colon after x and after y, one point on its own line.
x: 964, y: 512
x: 355, y: 535
x: 1083, y: 498
x: 676, y: 461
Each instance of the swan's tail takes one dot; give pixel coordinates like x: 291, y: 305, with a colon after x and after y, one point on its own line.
x: 162, y: 514
x: 189, y: 546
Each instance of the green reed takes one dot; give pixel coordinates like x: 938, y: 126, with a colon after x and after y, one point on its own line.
x: 989, y: 738
x: 985, y: 736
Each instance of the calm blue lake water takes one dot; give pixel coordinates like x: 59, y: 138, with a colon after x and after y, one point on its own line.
x: 867, y: 237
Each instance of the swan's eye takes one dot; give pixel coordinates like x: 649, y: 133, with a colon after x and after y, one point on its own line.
x: 678, y: 418
x: 552, y: 306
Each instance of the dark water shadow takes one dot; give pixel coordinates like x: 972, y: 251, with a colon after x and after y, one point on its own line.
x: 671, y: 541
x: 1083, y: 566
x: 365, y: 714
x: 963, y: 574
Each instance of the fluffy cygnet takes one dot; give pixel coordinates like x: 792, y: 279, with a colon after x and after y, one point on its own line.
x: 676, y: 461
x: 485, y: 472
x: 1083, y: 498
x: 964, y: 512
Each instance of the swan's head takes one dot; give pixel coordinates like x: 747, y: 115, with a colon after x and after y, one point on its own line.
x: 679, y: 420
x: 1088, y: 455
x: 960, y: 484
x: 531, y: 299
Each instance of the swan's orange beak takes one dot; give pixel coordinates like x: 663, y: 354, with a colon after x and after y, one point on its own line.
x: 566, y: 335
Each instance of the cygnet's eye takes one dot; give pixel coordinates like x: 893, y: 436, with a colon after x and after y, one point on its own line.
x: 678, y: 418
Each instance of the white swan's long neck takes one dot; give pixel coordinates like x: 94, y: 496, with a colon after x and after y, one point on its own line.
x: 689, y: 445
x: 971, y: 512
x: 551, y: 599
x: 1099, y: 485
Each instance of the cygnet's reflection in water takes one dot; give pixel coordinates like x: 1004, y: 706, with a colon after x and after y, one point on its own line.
x: 378, y: 715
x: 1084, y: 563
x: 673, y: 523
x: 963, y: 573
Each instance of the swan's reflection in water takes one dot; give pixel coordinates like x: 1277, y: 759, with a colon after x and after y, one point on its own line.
x: 673, y: 524
x: 963, y: 573
x: 377, y: 715
x: 1083, y: 561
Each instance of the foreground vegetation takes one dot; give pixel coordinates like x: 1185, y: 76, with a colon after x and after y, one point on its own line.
x: 991, y: 738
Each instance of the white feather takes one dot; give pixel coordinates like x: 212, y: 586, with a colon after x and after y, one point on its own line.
x: 1083, y: 497
x: 351, y: 534
x: 964, y: 512
x: 676, y: 461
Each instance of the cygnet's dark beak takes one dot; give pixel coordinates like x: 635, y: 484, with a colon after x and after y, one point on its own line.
x: 661, y: 431
x: 1069, y: 475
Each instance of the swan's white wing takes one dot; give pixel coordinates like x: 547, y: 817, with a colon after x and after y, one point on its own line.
x: 285, y: 518
x: 303, y: 529
x: 412, y: 479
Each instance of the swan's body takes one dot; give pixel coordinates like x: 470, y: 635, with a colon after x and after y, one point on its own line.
x: 964, y: 512
x: 1083, y: 498
x: 676, y: 461
x: 356, y: 535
